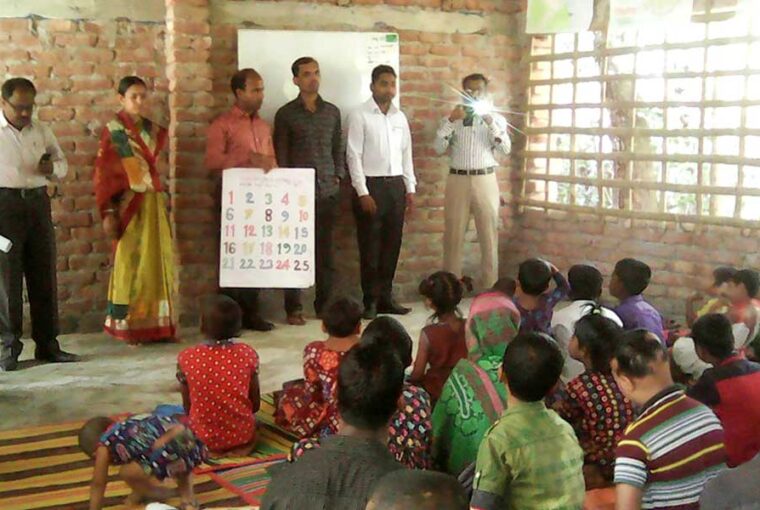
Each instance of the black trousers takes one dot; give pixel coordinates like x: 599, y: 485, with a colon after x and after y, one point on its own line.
x: 25, y: 220
x: 379, y: 237
x: 324, y: 222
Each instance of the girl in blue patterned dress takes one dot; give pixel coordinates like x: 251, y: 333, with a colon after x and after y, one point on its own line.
x: 149, y: 449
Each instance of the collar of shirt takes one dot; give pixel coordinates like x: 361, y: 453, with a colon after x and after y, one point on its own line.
x: 238, y: 112
x: 632, y: 300
x: 525, y: 408
x: 671, y: 391
x: 5, y: 124
x: 731, y: 359
x: 300, y: 102
x: 372, y: 106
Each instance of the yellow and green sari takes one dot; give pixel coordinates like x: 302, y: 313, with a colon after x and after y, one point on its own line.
x: 140, y: 291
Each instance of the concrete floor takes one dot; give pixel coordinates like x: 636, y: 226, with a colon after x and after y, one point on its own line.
x: 115, y: 378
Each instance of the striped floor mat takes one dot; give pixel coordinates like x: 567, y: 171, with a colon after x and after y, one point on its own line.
x: 249, y: 482
x: 42, y: 468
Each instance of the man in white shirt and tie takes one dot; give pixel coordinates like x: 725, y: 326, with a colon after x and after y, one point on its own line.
x: 475, y: 138
x: 379, y: 156
x: 29, y: 157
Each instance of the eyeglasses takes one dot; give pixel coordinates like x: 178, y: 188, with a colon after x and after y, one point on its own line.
x: 21, y: 108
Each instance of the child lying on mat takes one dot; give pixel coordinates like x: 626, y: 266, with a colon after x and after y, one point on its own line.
x: 149, y: 450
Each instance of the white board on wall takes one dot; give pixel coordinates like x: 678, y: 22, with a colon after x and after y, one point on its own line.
x: 346, y: 60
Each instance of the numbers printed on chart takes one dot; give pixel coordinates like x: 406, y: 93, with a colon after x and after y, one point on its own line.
x: 264, y: 231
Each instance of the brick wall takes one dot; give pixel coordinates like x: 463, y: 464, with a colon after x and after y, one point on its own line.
x: 75, y: 65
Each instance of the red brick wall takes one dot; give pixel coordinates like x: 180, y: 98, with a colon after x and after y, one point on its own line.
x: 75, y: 66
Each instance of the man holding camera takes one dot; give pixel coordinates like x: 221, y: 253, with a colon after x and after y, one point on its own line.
x: 29, y: 157
x: 474, y: 134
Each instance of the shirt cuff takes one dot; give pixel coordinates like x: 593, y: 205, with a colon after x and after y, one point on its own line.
x: 411, y: 187
x: 361, y: 188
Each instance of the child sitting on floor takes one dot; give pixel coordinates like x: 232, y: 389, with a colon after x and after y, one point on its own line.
x: 442, y: 342
x: 629, y: 280
x: 220, y: 383
x: 530, y: 458
x: 716, y: 290
x: 745, y: 307
x: 533, y: 301
x: 592, y: 402
x: 308, y: 408
x: 149, y: 450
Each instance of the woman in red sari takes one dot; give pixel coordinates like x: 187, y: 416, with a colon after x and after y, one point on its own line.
x: 131, y: 201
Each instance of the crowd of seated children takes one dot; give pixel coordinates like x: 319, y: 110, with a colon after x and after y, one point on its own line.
x: 342, y: 472
x: 592, y: 402
x: 472, y: 397
x: 409, y: 430
x: 219, y: 382
x: 532, y: 297
x: 586, y: 284
x: 716, y: 293
x: 308, y: 408
x: 530, y: 458
x: 442, y: 343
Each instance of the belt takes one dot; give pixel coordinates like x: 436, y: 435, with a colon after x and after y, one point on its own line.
x: 386, y: 177
x: 482, y: 171
x: 25, y: 192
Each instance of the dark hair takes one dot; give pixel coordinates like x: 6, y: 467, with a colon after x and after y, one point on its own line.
x: 90, y: 433
x: 380, y: 70
x: 296, y: 67
x: 421, y: 490
x: 389, y: 334
x: 713, y: 333
x: 370, y: 380
x: 749, y: 278
x: 474, y: 77
x: 634, y: 275
x: 723, y: 274
x: 635, y: 352
x: 506, y: 285
x: 221, y: 317
x: 534, y: 276
x: 12, y: 85
x: 239, y: 79
x: 444, y: 290
x: 342, y: 317
x: 598, y: 335
x: 129, y: 81
x: 585, y: 282
x: 532, y: 365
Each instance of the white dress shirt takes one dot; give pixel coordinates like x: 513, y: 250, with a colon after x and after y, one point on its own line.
x: 563, y: 329
x: 379, y: 145
x: 20, y: 153
x: 473, y: 147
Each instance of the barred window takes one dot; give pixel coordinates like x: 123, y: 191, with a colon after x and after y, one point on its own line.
x: 648, y: 124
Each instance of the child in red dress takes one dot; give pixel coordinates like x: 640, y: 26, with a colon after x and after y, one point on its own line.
x: 220, y: 382
x: 308, y: 408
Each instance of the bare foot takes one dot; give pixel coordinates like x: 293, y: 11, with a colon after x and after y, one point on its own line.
x: 133, y: 501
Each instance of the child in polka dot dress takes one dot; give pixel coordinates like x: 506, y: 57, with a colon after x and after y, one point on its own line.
x: 220, y: 383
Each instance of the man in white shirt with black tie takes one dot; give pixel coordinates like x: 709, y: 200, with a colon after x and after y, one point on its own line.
x: 29, y: 157
x: 475, y: 138
x: 379, y: 155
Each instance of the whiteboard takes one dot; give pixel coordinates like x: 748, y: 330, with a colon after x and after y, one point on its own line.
x: 346, y: 60
x: 267, y: 237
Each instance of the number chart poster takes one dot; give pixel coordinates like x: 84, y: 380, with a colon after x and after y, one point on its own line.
x: 267, y: 238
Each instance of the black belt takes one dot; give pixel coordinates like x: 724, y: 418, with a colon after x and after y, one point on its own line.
x: 386, y: 178
x: 482, y: 171
x: 25, y: 192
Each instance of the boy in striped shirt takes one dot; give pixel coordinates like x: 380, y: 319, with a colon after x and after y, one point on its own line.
x: 675, y: 446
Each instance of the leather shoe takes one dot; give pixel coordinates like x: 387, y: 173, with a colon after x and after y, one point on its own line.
x: 296, y: 319
x: 370, y: 312
x: 57, y: 356
x: 393, y: 308
x: 257, y: 324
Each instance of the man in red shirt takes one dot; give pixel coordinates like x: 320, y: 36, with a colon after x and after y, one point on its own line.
x: 239, y: 138
x: 731, y: 388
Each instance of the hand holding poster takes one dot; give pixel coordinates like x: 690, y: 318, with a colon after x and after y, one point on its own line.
x: 267, y: 237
